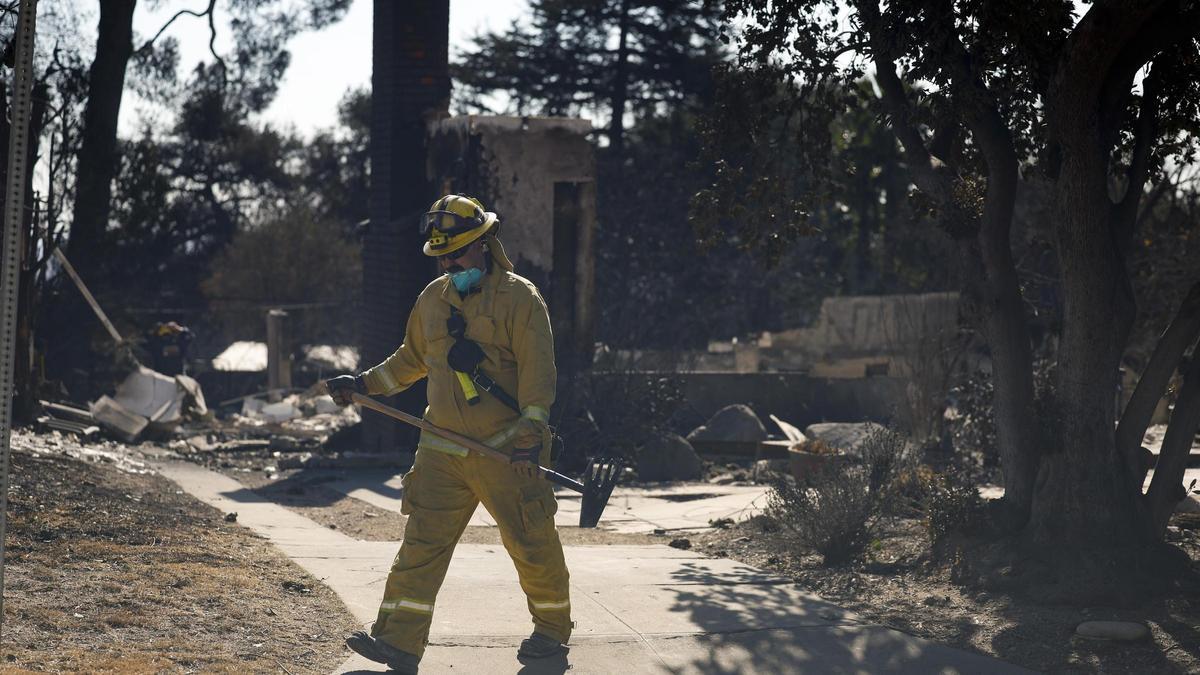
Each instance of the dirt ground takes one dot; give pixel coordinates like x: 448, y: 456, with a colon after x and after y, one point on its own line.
x: 898, y: 586
x: 108, y: 571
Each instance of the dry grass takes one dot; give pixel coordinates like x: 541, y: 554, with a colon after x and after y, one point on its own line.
x: 114, y: 573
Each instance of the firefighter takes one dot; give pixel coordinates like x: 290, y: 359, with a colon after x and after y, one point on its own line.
x: 477, y: 306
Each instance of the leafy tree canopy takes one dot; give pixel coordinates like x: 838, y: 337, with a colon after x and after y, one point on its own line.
x: 986, y: 100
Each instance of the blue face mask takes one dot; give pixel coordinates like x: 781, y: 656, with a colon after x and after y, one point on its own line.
x: 466, y: 279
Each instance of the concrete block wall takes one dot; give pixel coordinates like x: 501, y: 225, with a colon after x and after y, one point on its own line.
x: 410, y: 84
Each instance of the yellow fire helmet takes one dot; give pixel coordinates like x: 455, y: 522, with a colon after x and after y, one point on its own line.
x: 453, y: 222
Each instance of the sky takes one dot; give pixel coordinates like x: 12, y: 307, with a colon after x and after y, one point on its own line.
x: 325, y: 64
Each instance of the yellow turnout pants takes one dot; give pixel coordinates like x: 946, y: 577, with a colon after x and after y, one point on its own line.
x: 441, y: 492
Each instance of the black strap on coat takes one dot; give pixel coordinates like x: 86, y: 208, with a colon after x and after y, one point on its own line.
x: 465, y: 356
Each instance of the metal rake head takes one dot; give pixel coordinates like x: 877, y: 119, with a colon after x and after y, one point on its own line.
x: 598, y: 483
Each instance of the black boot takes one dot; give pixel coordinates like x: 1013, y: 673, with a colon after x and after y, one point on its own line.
x: 540, y: 646
x: 381, y: 652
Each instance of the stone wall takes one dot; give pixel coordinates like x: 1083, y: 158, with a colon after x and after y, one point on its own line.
x: 859, y: 326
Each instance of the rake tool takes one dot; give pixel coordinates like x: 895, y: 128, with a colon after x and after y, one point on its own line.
x: 598, y: 481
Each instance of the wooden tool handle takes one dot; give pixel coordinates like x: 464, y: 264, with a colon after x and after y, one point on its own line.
x: 465, y: 441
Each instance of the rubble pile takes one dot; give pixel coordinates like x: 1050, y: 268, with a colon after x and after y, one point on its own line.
x: 269, y: 436
x: 152, y: 415
x: 130, y: 459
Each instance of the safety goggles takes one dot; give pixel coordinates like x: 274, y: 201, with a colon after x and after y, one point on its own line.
x: 458, y: 223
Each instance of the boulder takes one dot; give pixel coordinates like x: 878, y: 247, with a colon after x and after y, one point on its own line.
x: 668, y: 457
x: 734, y: 423
x: 1124, y: 631
x: 845, y: 436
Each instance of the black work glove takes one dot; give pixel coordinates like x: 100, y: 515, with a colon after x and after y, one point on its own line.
x: 525, y: 461
x: 342, y: 387
x: 465, y: 356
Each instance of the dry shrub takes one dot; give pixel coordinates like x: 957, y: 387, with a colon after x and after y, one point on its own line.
x: 914, y: 488
x: 815, y: 446
x: 953, y: 508
x: 838, y: 510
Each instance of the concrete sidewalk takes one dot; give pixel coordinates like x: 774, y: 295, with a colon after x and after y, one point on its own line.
x: 631, y: 509
x: 639, y: 609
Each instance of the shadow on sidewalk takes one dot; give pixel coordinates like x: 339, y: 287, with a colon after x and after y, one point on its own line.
x: 772, y: 627
x: 310, y: 487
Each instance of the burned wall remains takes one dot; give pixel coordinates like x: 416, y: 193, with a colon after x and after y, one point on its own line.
x: 538, y: 174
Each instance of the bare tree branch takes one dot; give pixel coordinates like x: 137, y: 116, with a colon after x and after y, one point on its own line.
x: 929, y: 173
x: 208, y: 13
x: 183, y: 12
x: 1166, y: 488
x: 1182, y: 331
x: 212, y: 38
x: 1146, y: 133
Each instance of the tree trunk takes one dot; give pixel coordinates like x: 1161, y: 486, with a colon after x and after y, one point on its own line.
x: 620, y: 89
x: 1182, y: 331
x: 1005, y: 324
x: 1007, y: 332
x: 98, y: 152
x: 1083, y: 496
x: 1166, y: 488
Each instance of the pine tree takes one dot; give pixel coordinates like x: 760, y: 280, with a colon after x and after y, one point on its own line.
x: 608, y: 58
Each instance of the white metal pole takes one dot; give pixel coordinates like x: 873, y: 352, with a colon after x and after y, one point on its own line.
x: 10, y: 264
x: 87, y: 295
